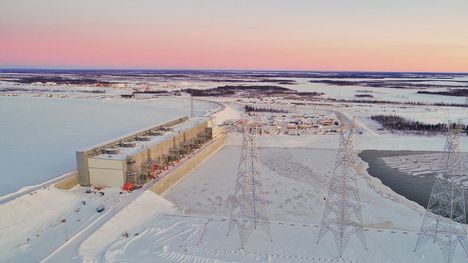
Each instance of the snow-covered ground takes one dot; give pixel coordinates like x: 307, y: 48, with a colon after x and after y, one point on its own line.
x: 427, y: 114
x: 180, y: 238
x: 228, y: 113
x: 388, y: 94
x: 295, y: 180
x: 33, y: 225
x: 39, y: 136
x: 189, y: 223
x: 59, y: 230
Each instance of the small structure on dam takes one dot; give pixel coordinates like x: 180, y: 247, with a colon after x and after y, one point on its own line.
x: 142, y: 155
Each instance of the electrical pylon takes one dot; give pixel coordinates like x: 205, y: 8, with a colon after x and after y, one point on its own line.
x: 445, y: 215
x: 342, y: 215
x: 248, y: 206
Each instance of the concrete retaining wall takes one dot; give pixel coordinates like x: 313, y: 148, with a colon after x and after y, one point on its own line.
x: 68, y: 183
x: 173, y: 177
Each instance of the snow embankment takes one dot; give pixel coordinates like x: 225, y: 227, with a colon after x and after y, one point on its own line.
x: 129, y: 222
x: 29, y: 220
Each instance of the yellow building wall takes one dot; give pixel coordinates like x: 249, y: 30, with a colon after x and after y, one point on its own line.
x: 106, y: 177
x: 105, y: 163
x: 105, y: 172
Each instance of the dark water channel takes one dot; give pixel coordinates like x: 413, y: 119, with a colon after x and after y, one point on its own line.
x: 414, y: 188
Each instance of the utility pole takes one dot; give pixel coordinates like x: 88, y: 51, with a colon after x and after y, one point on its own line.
x: 191, y: 106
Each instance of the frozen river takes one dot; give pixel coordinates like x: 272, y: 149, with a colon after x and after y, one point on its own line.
x: 39, y: 136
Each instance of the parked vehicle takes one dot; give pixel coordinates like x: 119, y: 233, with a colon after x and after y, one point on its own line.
x: 100, y: 208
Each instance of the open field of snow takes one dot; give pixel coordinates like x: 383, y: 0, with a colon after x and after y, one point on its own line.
x: 179, y: 238
x: 427, y: 114
x: 366, y: 142
x: 39, y: 136
x: 388, y: 94
x: 295, y: 181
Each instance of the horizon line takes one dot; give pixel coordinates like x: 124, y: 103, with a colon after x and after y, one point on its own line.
x: 221, y: 70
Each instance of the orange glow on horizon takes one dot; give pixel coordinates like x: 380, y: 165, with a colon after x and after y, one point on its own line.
x: 174, y: 38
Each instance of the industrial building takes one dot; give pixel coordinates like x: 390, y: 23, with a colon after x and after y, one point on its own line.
x: 144, y: 154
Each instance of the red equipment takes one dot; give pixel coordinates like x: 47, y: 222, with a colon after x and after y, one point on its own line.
x: 154, y: 167
x: 128, y: 186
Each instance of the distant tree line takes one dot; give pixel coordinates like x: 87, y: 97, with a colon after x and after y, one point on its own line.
x: 245, y: 90
x: 398, y: 123
x: 417, y: 103
x: 363, y: 96
x: 264, y: 109
x: 152, y: 92
x: 49, y: 90
x: 450, y: 92
x: 60, y: 80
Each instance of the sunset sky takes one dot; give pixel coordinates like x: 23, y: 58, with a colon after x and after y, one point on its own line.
x: 374, y: 35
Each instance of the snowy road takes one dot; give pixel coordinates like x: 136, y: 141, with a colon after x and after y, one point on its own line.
x: 347, y: 120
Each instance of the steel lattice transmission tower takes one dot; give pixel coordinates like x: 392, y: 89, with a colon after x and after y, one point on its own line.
x: 248, y: 206
x: 445, y: 215
x: 342, y: 215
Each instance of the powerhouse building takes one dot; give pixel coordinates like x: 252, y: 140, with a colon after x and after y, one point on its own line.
x: 130, y: 158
